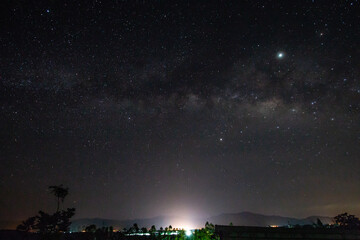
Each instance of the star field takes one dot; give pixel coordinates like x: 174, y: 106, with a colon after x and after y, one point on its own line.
x: 191, y: 108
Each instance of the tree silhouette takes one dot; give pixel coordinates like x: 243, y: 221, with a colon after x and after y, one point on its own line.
x: 209, y: 228
x: 50, y: 226
x: 135, y: 228
x: 181, y: 235
x: 27, y: 225
x: 152, y: 230
x: 347, y: 221
x: 54, y: 223
x: 91, y: 228
x: 144, y: 230
x: 60, y: 193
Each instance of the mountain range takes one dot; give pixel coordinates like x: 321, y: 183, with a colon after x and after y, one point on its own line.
x: 237, y: 219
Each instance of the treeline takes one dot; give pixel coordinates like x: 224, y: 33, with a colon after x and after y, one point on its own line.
x: 342, y: 221
x: 168, y: 233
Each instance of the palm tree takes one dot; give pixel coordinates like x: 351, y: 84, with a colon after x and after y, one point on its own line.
x: 60, y: 192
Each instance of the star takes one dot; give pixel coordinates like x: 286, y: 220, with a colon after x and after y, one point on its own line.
x: 280, y: 55
x: 146, y: 98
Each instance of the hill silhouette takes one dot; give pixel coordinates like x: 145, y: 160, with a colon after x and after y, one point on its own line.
x: 240, y: 219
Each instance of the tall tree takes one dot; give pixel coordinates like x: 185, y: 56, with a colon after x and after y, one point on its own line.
x: 60, y: 193
x: 50, y: 226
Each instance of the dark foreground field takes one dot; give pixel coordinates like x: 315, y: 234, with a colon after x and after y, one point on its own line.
x: 222, y: 233
x: 16, y: 235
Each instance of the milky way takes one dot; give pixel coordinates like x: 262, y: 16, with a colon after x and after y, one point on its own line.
x: 196, y: 109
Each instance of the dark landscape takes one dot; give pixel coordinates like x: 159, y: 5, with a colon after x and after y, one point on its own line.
x: 238, y: 219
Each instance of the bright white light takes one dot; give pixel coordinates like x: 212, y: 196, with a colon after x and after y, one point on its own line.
x: 188, y: 233
x: 280, y: 55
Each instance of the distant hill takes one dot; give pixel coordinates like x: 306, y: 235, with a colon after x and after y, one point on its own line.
x: 239, y: 219
x: 259, y: 220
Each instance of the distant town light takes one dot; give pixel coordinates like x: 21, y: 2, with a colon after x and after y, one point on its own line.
x: 188, y: 233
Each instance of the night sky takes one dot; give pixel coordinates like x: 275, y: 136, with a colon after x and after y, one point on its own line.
x: 148, y: 108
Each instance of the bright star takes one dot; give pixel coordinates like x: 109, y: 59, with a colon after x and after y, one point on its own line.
x: 280, y: 55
